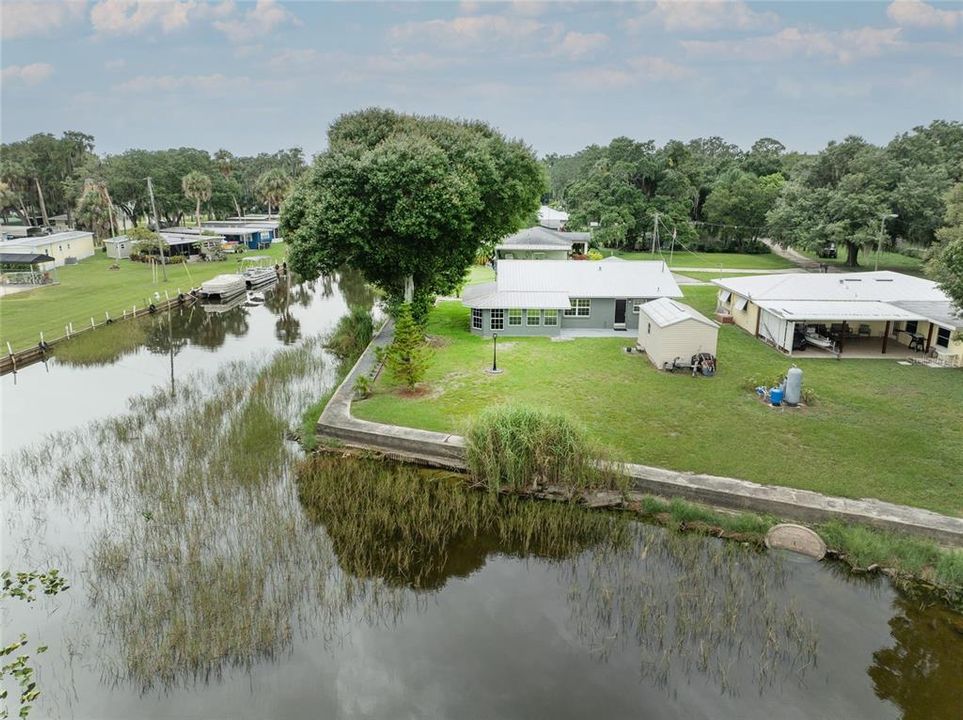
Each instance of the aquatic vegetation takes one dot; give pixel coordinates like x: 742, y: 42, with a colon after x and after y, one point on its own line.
x: 105, y: 345
x: 521, y: 447
x: 351, y: 335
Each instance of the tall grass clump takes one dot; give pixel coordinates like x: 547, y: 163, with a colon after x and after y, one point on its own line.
x: 521, y: 447
x: 103, y: 346
x: 351, y: 335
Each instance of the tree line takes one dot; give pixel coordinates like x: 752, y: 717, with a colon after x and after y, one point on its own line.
x: 715, y: 196
x: 45, y: 176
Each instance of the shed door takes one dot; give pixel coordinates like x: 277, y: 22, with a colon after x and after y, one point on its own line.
x: 620, y: 312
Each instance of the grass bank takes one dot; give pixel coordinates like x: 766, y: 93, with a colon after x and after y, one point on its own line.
x: 90, y: 288
x: 878, y: 429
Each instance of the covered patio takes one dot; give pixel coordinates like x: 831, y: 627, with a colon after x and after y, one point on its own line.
x: 25, y: 270
x: 866, y: 329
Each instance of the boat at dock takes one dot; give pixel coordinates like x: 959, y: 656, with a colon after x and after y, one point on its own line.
x: 223, y: 287
x: 257, y: 271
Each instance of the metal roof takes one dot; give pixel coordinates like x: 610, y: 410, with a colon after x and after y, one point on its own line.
x: 855, y: 311
x: 534, y: 247
x: 546, y: 213
x: 884, y: 286
x: 544, y: 237
x: 941, y: 313
x: 487, y: 297
x: 588, y: 278
x: 15, y: 258
x: 665, y: 312
x: 40, y: 240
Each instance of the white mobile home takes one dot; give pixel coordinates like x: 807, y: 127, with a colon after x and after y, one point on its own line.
x: 868, y: 314
x: 669, y: 330
x: 64, y: 247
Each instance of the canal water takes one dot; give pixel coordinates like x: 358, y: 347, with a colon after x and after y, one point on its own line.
x: 206, y: 581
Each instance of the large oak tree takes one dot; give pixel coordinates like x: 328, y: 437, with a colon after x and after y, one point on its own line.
x: 402, y: 197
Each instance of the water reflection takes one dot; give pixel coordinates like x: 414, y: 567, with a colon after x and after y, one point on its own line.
x: 922, y: 672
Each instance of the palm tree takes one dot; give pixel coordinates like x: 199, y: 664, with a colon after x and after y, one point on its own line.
x: 197, y: 187
x: 272, y: 186
x: 224, y: 161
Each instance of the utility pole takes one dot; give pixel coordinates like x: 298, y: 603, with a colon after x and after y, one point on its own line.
x: 882, y: 228
x: 655, y: 232
x: 672, y: 247
x: 153, y: 208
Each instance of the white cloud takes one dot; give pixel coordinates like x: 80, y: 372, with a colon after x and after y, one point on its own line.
x: 263, y: 18
x: 28, y: 19
x: 702, y: 15
x: 130, y: 17
x: 843, y: 46
x: 214, y: 83
x: 27, y: 74
x: 475, y: 30
x: 635, y: 71
x: 576, y: 44
x: 916, y: 13
x: 115, y: 64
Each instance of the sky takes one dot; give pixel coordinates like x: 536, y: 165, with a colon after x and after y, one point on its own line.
x: 256, y: 77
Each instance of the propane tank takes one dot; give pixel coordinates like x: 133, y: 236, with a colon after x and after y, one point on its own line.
x: 794, y: 385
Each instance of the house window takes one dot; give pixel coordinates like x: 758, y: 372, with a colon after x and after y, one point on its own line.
x: 580, y: 307
x: 533, y: 317
x: 538, y: 256
x: 741, y: 303
x: 942, y: 337
x: 911, y: 326
x: 476, y: 319
x: 551, y: 317
x: 648, y: 330
x: 498, y: 319
x: 636, y: 304
x: 515, y: 316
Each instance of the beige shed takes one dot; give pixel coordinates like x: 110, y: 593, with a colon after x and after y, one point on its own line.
x: 669, y: 330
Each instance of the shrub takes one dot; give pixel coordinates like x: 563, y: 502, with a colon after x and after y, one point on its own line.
x: 594, y: 255
x: 518, y: 446
x: 407, y: 358
x: 351, y: 335
x: 362, y: 386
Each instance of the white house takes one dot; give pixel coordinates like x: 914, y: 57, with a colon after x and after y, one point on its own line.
x: 539, y: 243
x: 864, y: 314
x: 549, y: 217
x: 670, y: 330
x: 548, y: 297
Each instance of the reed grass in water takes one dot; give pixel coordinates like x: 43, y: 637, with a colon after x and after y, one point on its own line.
x: 104, y: 345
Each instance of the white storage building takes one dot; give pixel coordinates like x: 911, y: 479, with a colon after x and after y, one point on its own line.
x: 669, y: 330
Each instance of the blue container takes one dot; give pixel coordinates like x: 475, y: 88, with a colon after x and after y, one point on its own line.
x: 775, y: 396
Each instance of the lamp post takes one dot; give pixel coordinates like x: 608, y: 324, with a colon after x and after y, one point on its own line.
x: 879, y: 242
x: 494, y: 352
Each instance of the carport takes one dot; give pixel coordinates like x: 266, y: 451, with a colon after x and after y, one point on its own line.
x: 863, y: 329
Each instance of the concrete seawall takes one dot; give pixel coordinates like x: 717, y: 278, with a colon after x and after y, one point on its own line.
x: 448, y: 451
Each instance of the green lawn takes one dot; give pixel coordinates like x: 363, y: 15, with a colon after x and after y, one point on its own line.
x: 867, y: 261
x: 768, y: 261
x: 90, y: 288
x: 707, y: 276
x: 879, y: 429
x: 478, y: 274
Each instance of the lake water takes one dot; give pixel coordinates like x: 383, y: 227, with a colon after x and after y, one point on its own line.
x: 204, y: 585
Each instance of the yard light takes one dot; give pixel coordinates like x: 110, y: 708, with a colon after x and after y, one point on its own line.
x: 879, y: 243
x: 494, y: 352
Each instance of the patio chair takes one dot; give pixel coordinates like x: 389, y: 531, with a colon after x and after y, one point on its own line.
x: 865, y: 330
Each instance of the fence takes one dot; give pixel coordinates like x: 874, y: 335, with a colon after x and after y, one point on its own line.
x: 14, y: 361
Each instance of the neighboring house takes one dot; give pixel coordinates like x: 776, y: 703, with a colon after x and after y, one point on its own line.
x: 867, y: 313
x: 548, y: 297
x: 551, y: 218
x: 177, y: 244
x: 268, y: 228
x: 64, y: 247
x: 670, y: 330
x: 254, y: 238
x: 539, y: 243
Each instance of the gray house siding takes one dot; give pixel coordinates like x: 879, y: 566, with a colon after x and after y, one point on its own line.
x: 523, y: 330
x: 602, y: 316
